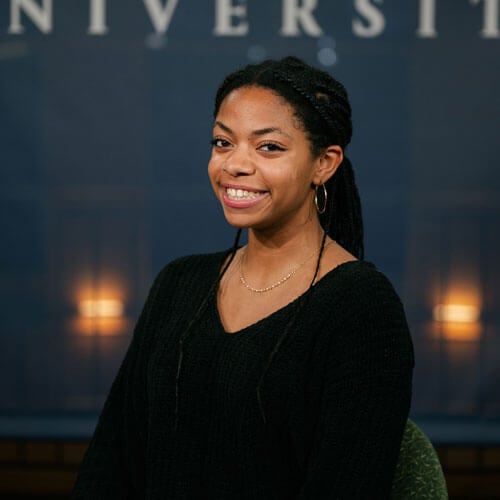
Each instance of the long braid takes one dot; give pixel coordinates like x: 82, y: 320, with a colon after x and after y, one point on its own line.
x: 343, y: 218
x: 199, y: 311
x: 299, y: 305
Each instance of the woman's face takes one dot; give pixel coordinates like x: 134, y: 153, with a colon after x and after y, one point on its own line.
x: 261, y: 167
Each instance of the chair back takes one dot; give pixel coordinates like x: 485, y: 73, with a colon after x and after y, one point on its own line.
x: 418, y: 471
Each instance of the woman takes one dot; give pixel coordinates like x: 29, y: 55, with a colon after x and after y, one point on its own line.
x: 280, y: 369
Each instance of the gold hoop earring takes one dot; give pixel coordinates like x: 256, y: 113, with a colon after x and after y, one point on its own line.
x: 325, y: 196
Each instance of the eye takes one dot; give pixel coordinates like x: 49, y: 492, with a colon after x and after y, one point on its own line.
x: 271, y: 147
x: 217, y: 142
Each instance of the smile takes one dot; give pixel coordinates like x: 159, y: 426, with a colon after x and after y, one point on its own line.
x: 241, y: 194
x: 242, y: 198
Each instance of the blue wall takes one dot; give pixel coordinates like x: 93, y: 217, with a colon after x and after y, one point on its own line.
x: 104, y: 141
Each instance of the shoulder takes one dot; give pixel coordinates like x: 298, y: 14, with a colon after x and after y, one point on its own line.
x: 180, y: 284
x: 200, y: 266
x: 362, y: 306
x: 360, y: 280
x: 356, y: 288
x: 185, y: 274
x: 367, y: 292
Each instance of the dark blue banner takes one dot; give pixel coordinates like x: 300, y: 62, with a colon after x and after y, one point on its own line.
x: 105, y: 123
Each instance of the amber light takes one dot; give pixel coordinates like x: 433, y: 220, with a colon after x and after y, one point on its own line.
x: 102, y: 308
x: 458, y: 322
x: 456, y: 313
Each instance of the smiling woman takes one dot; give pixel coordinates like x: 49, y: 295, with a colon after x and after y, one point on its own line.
x: 262, y: 166
x: 279, y: 369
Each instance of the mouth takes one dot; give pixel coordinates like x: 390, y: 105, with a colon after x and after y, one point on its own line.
x: 242, y: 194
x: 235, y: 197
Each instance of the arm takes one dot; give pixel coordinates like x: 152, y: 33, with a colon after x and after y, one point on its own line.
x: 113, y: 464
x: 365, y: 396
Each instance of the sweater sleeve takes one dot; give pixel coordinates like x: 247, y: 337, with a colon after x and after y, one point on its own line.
x: 113, y: 466
x: 364, y: 397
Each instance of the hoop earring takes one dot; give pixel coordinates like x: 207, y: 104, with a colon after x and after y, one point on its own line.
x: 325, y: 196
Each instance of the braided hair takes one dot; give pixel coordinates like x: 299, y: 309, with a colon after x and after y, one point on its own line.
x: 321, y: 105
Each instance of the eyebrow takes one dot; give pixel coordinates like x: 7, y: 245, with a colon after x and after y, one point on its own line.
x: 259, y: 132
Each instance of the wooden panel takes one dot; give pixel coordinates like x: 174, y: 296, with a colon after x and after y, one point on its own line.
x: 8, y: 451
x: 36, y: 480
x: 461, y: 458
x: 73, y: 452
x: 491, y: 458
x: 47, y: 469
x: 40, y: 452
x: 464, y: 485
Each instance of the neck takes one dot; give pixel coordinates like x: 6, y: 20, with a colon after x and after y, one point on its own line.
x: 277, y: 250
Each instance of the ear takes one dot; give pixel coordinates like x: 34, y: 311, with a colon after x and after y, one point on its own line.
x: 327, y: 163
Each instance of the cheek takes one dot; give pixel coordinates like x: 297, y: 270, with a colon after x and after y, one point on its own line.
x: 213, y: 174
x: 212, y: 168
x: 301, y: 173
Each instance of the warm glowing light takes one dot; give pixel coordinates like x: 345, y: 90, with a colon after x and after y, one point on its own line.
x: 461, y: 332
x: 100, y: 326
x: 456, y: 313
x: 104, y: 308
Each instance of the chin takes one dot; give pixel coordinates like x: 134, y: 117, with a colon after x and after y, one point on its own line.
x: 238, y: 222
x: 248, y: 221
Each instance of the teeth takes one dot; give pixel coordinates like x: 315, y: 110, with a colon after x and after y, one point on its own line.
x: 241, y: 194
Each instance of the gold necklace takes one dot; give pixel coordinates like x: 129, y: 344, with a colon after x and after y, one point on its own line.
x: 245, y: 283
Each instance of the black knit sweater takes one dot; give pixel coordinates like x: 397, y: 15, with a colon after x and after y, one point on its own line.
x: 335, y: 397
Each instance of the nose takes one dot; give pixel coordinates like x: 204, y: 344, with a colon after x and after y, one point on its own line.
x: 238, y: 163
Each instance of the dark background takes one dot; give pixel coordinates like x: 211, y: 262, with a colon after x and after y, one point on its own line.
x: 104, y: 142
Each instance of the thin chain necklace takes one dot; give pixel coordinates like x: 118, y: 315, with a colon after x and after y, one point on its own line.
x: 245, y: 283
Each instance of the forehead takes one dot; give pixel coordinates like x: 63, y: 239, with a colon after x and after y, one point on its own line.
x: 257, y: 104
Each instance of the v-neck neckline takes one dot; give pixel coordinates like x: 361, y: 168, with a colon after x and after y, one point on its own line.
x: 281, y: 310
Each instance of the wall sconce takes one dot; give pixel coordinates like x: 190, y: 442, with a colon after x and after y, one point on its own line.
x: 102, y: 308
x: 458, y: 322
x: 456, y: 313
x: 100, y: 317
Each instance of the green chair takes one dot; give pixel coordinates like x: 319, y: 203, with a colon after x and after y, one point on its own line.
x: 418, y: 473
